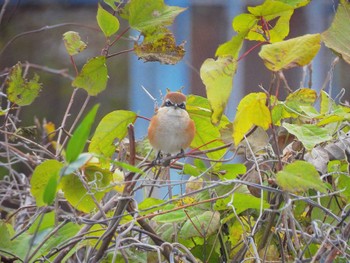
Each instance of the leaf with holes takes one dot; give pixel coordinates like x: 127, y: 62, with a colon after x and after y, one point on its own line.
x: 73, y: 43
x: 159, y: 45
x: 20, y: 90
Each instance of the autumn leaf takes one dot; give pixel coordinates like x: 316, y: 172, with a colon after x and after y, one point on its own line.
x: 159, y: 45
x: 73, y: 43
x: 337, y: 37
x: 20, y: 90
x: 217, y: 76
x: 290, y: 53
x: 252, y: 110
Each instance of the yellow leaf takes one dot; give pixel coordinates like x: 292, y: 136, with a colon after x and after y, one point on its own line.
x: 291, y: 53
x: 337, y: 37
x: 50, y: 130
x: 118, y: 180
x: 252, y: 110
x: 217, y: 76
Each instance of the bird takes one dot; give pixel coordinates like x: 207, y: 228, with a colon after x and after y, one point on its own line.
x: 171, y: 130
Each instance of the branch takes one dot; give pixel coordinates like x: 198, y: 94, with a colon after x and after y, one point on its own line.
x: 3, y: 9
x: 41, y: 30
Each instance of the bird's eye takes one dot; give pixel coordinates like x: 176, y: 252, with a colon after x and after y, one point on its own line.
x: 182, y: 105
x: 167, y: 103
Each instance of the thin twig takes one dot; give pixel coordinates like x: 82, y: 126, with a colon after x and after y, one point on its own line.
x: 41, y: 30
x: 3, y: 9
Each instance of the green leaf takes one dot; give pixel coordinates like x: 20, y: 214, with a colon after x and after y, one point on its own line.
x: 44, y: 222
x: 207, y: 135
x: 344, y: 184
x: 93, y: 77
x: 241, y: 202
x: 309, y: 134
x: 59, y: 239
x: 149, y: 202
x: 280, y: 112
x: 128, y: 167
x: 232, y: 171
x: 159, y: 45
x: 78, y: 140
x: 108, y: 23
x: 300, y: 176
x: 144, y: 14
x: 337, y: 37
x: 19, y: 90
x: 296, y: 3
x: 73, y: 43
x: 231, y: 47
x: 76, y: 164
x: 327, y: 103
x: 217, y: 76
x: 111, y: 4
x: 269, y: 10
x: 290, y: 53
x: 204, y: 224
x: 50, y: 190
x: 42, y: 180
x: 191, y: 170
x: 299, y: 98
x: 252, y: 110
x: 18, y: 247
x: 80, y: 198
x: 113, y: 126
x: 171, y: 217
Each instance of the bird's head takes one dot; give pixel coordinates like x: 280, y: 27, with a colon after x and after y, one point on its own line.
x: 175, y: 100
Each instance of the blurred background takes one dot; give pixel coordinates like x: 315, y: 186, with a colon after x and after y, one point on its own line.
x: 204, y: 26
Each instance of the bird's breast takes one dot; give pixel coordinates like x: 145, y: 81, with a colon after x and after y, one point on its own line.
x: 170, y: 131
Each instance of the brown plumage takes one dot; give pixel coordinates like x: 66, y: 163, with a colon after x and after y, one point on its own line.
x: 171, y: 130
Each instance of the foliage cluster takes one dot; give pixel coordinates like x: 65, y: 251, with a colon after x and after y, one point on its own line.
x: 271, y: 185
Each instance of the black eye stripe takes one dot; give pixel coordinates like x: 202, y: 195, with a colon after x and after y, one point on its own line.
x: 168, y: 103
x: 181, y: 105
